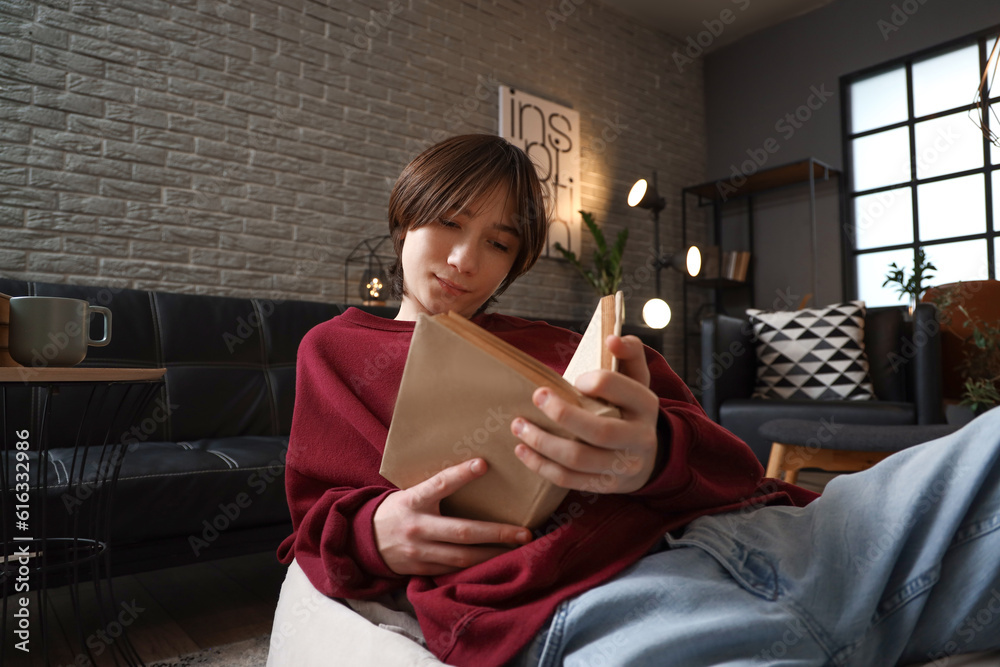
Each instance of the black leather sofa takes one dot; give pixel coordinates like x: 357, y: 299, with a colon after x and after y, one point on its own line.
x: 905, y: 361
x: 218, y: 427
x: 209, y: 450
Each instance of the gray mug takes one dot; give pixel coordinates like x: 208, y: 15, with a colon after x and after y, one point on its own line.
x: 53, y: 330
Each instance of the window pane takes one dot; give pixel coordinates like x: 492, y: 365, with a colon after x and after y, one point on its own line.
x: 995, y: 127
x: 881, y: 159
x: 965, y: 260
x: 994, y: 119
x: 955, y: 207
x: 995, y: 108
x: 947, y: 145
x: 993, y: 116
x: 996, y: 258
x: 872, y: 268
x: 878, y: 101
x: 946, y: 81
x: 884, y: 218
x: 996, y: 200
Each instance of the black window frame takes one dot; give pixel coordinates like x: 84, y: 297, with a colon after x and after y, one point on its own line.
x: 850, y: 252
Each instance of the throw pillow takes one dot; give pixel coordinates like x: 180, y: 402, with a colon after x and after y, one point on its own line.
x: 816, y: 353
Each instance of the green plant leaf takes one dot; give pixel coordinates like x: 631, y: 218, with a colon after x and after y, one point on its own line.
x: 605, y: 277
x: 588, y: 219
x: 619, y: 247
x: 914, y: 284
x: 980, y: 338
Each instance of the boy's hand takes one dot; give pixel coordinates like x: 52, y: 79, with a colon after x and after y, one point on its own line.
x: 612, y: 455
x: 413, y: 537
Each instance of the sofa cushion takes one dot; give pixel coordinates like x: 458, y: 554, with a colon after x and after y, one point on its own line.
x: 818, y: 435
x: 885, y: 333
x: 815, y: 353
x: 745, y: 416
x: 203, y: 468
x: 284, y: 324
x: 169, y: 489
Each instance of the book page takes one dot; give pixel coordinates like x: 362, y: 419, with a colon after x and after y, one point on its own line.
x: 591, y: 353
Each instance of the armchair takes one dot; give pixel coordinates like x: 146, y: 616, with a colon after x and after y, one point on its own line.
x: 905, y: 368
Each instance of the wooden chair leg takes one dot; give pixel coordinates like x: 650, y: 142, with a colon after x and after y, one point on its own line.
x: 778, y: 462
x: 775, y: 463
x: 790, y: 459
x: 792, y: 476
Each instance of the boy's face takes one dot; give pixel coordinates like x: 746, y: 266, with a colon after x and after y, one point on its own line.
x: 457, y: 261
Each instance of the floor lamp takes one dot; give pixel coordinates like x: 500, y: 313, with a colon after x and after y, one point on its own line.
x: 656, y: 312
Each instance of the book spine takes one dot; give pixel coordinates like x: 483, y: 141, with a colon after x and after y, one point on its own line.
x: 729, y: 265
x: 742, y: 264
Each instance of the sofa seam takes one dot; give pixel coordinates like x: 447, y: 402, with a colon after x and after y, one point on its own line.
x: 170, y: 474
x: 195, y: 472
x: 161, y: 362
x: 266, y: 367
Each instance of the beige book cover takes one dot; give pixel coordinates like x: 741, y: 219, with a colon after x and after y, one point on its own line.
x: 461, y: 388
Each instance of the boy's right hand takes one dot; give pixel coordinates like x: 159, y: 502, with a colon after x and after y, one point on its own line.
x: 413, y: 537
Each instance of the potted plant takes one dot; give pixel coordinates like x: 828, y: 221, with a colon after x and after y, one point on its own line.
x: 607, y: 273
x: 914, y: 285
x: 980, y: 365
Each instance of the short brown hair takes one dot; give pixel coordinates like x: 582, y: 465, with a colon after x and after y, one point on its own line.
x: 456, y: 173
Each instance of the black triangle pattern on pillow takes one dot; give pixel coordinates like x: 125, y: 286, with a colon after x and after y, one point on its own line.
x: 816, y: 353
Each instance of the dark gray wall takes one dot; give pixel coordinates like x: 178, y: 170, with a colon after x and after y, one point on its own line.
x: 751, y: 86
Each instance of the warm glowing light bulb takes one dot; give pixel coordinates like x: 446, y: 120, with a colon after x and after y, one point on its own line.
x: 375, y: 287
x: 656, y: 313
x: 637, y: 192
x: 693, y: 261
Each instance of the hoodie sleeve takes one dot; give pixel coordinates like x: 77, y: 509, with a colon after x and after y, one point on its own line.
x: 331, y: 476
x: 704, y: 468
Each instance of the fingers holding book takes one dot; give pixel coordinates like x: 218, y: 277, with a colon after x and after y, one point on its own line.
x: 631, y: 357
x: 414, y: 538
x: 610, y: 454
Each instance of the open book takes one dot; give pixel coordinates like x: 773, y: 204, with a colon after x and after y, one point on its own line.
x: 461, y: 388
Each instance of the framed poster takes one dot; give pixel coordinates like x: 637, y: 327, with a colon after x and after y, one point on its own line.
x: 550, y: 134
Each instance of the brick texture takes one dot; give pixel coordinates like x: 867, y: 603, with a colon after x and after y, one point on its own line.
x: 245, y: 147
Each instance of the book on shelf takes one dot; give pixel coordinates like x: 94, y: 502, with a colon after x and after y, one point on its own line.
x: 461, y: 388
x: 729, y: 263
x: 735, y: 264
x: 743, y: 266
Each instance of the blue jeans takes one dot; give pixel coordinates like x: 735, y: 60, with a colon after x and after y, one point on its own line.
x: 897, y: 564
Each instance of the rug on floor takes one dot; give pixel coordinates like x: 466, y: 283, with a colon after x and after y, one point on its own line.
x: 247, y: 653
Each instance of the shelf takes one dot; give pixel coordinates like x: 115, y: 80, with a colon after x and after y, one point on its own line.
x: 735, y: 294
x: 788, y: 174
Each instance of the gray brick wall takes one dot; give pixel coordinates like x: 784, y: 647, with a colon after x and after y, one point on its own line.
x: 245, y: 147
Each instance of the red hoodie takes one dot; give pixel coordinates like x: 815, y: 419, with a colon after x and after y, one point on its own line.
x: 349, y: 370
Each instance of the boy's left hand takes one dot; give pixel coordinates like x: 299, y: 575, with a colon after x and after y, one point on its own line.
x: 612, y: 455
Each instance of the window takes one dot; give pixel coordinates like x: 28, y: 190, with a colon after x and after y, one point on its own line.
x: 920, y: 172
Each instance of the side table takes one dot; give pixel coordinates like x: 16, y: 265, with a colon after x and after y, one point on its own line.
x: 69, y: 486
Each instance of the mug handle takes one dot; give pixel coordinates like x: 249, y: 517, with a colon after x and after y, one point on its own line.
x: 107, y: 327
